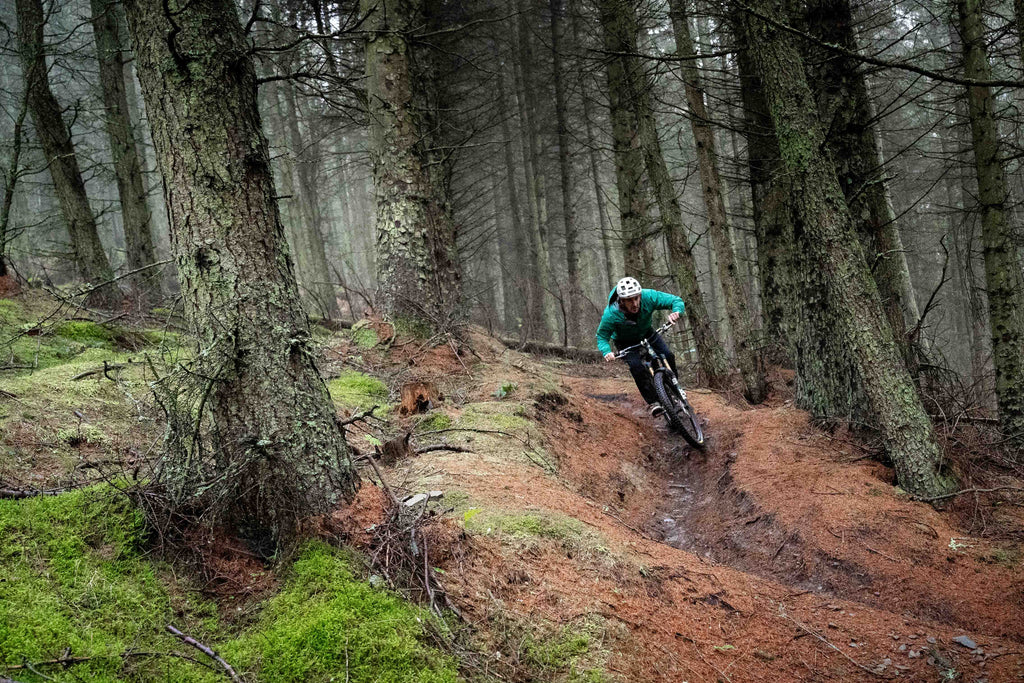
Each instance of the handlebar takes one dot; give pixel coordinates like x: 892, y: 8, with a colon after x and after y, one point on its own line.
x: 622, y: 352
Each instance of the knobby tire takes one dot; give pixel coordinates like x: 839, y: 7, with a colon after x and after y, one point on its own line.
x: 677, y: 411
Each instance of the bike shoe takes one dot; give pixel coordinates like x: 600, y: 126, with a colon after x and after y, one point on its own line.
x: 655, y: 409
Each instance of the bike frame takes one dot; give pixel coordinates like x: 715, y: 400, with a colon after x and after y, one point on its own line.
x: 651, y: 359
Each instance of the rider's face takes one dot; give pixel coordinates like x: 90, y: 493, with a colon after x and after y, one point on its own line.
x: 630, y: 305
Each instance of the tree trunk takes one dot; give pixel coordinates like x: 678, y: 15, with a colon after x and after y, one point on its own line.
x: 280, y: 453
x: 574, y: 293
x: 820, y: 209
x: 11, y: 177
x: 592, y: 153
x: 529, y: 311
x: 418, y: 277
x: 718, y: 222
x: 1003, y: 278
x: 312, y: 224
x: 55, y: 139
x: 543, y: 316
x: 795, y: 308
x: 853, y: 141
x: 135, y: 217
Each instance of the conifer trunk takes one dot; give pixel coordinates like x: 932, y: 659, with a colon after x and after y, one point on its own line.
x: 55, y: 139
x: 280, y: 452
x: 568, y: 185
x: 718, y: 223
x: 819, y: 208
x: 135, y: 217
x: 1004, y: 283
x: 844, y: 101
x: 418, y: 275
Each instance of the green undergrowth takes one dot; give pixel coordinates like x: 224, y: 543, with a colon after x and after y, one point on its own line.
x: 52, y: 414
x: 354, y: 390
x: 433, y: 421
x: 75, y: 575
x: 329, y: 625
x: 29, y: 338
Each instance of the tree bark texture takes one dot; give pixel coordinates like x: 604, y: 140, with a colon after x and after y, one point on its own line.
x: 280, y: 454
x: 529, y: 310
x: 418, y: 274
x: 740, y: 319
x: 619, y: 35
x: 845, y: 105
x: 135, y: 217
x: 11, y: 177
x: 55, y: 139
x: 535, y: 183
x: 793, y: 290
x: 1004, y: 283
x: 819, y: 208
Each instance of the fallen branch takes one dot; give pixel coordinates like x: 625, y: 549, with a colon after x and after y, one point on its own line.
x: 442, y: 447
x: 543, y: 349
x: 189, y: 640
x: 17, y: 494
x: 963, y: 491
x: 107, y: 367
x: 358, y: 417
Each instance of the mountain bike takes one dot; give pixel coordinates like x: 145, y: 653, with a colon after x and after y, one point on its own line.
x: 678, y: 412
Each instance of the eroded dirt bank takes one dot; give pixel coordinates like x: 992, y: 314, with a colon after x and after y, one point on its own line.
x: 795, y: 559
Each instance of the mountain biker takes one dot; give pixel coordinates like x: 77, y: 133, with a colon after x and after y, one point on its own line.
x: 627, y: 320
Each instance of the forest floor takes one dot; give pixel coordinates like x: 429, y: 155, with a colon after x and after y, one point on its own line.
x: 582, y: 541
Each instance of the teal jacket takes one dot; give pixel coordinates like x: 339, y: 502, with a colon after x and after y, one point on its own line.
x: 624, y: 332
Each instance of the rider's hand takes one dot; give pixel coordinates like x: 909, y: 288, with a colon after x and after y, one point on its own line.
x: 608, y: 357
x: 673, y: 316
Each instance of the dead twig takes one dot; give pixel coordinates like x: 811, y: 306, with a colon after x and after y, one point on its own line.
x: 373, y: 464
x: 107, y: 367
x: 17, y: 494
x: 963, y: 491
x: 206, y: 650
x: 824, y: 640
x: 358, y: 417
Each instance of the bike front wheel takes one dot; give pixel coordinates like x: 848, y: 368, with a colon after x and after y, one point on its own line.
x: 678, y: 412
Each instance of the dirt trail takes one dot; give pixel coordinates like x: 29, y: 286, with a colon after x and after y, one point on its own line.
x: 796, y: 558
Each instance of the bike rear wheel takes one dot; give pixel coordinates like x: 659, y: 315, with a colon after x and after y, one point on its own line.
x: 678, y: 412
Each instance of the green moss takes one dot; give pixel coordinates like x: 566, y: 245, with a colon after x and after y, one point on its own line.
x: 492, y: 415
x: 74, y: 577
x: 11, y: 312
x: 433, y: 422
x: 325, y: 621
x: 564, y: 529
x: 86, y: 333
x: 357, y: 391
x: 365, y: 338
x: 410, y: 327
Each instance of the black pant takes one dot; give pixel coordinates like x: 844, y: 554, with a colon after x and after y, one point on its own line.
x: 640, y: 374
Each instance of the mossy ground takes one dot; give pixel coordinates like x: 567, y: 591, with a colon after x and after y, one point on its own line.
x: 76, y: 576
x: 353, y: 390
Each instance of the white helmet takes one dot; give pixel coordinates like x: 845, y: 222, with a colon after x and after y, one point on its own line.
x: 627, y: 287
